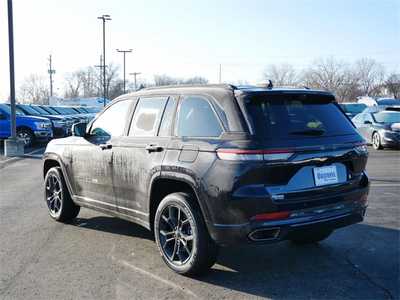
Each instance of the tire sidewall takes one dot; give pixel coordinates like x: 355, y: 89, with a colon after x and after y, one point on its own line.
x: 55, y: 172
x: 374, y: 145
x: 181, y: 201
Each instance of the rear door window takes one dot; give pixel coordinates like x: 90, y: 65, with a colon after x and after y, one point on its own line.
x: 297, y: 115
x: 147, y: 116
x: 168, y: 118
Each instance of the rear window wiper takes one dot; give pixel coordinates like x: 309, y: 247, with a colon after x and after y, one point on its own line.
x: 314, y: 132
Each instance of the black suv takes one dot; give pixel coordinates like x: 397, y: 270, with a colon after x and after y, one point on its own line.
x: 205, y: 166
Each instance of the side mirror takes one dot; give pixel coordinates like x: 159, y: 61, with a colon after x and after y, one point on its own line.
x: 366, y: 122
x: 79, y: 129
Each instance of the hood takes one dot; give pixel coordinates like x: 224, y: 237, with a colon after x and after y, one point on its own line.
x: 34, y: 118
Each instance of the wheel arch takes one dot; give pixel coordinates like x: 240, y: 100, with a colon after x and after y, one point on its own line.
x: 51, y: 160
x: 163, y: 186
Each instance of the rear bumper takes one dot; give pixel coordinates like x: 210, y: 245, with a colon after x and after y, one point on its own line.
x: 329, y: 217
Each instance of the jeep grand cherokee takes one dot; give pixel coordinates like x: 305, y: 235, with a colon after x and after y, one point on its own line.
x: 214, y: 165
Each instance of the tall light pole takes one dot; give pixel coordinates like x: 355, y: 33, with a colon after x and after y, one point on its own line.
x: 134, y: 76
x: 12, y: 75
x: 124, y: 52
x: 12, y: 146
x: 104, y: 18
x: 51, y: 71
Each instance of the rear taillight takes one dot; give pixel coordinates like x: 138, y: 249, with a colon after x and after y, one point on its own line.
x: 259, y: 155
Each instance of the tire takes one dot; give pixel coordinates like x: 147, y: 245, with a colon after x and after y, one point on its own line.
x: 310, y: 237
x: 182, y: 237
x: 26, y: 136
x: 376, y: 141
x: 56, y: 195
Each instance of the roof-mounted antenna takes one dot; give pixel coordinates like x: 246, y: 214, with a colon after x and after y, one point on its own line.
x: 270, y: 84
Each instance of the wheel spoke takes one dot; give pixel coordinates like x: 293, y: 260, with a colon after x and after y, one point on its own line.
x: 174, y: 251
x: 187, y: 237
x: 168, y: 221
x: 186, y: 247
x: 167, y: 233
x: 167, y: 241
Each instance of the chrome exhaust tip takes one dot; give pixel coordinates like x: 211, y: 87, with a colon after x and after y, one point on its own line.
x: 267, y: 234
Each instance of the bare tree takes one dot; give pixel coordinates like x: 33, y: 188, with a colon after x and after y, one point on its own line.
x: 327, y: 74
x: 392, y: 83
x: 281, y: 75
x: 160, y: 80
x: 370, y: 74
x: 196, y: 80
x: 34, y: 89
x: 73, y: 82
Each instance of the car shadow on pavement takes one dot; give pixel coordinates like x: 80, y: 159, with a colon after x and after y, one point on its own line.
x: 113, y: 225
x: 361, y: 261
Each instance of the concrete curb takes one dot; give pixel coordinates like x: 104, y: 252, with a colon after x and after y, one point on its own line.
x: 11, y: 160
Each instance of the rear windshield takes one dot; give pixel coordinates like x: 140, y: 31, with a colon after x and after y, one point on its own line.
x: 355, y: 108
x: 294, y: 116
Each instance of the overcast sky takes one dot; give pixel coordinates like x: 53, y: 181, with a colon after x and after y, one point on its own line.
x: 187, y: 38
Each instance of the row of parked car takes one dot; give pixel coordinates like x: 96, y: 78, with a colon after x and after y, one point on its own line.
x: 43, y: 122
x: 379, y: 123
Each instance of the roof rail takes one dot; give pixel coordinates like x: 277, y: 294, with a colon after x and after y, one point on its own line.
x: 222, y: 85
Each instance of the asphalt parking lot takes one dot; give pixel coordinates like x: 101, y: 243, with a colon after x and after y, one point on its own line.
x: 101, y: 257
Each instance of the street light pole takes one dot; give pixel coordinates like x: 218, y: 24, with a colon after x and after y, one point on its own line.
x: 51, y: 71
x: 135, y: 74
x: 104, y: 18
x: 12, y: 74
x: 124, y: 52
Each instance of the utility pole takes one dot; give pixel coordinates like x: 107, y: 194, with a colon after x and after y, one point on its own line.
x: 51, y: 71
x: 124, y: 52
x: 220, y: 73
x: 104, y: 18
x: 134, y: 76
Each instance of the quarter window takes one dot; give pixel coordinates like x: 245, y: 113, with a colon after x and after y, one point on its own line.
x: 147, y: 117
x: 112, y: 121
x: 197, y: 119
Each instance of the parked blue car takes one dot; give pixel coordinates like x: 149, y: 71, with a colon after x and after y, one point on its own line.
x: 29, y: 128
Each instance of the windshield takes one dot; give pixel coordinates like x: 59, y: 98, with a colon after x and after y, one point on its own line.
x: 387, y: 117
x: 49, y: 110
x: 29, y: 110
x: 64, y: 110
x: 39, y: 110
x: 92, y: 109
x: 7, y: 109
x: 355, y: 108
x: 291, y: 116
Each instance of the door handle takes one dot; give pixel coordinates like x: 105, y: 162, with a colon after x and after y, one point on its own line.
x: 154, y: 148
x: 105, y: 146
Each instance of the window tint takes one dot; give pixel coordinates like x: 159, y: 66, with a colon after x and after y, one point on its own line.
x: 147, y: 116
x: 168, y: 118
x: 112, y: 121
x: 296, y: 116
x: 197, y: 119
